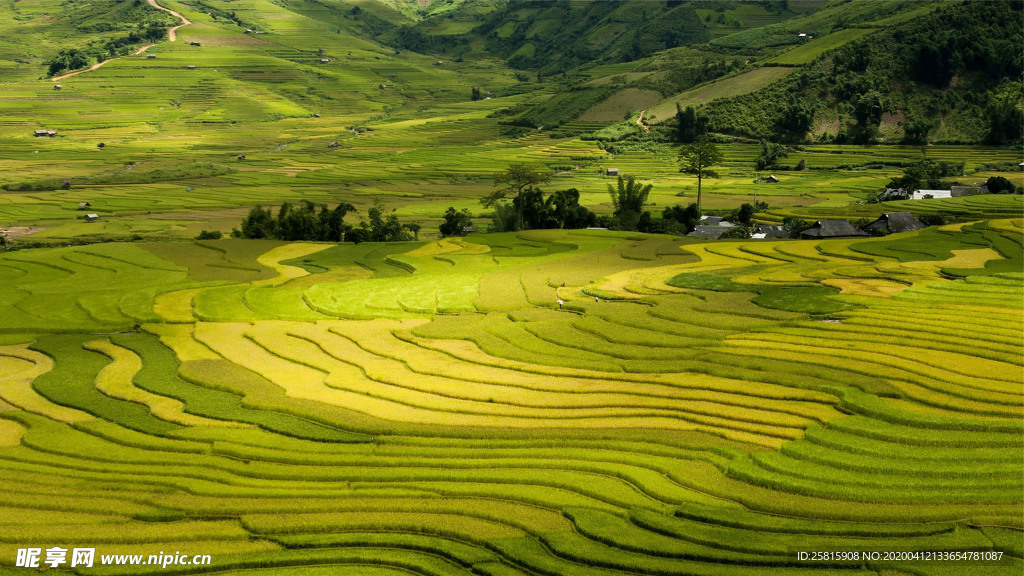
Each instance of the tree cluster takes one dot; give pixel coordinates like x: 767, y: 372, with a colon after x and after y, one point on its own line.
x: 926, y: 174
x: 534, y: 210
x: 455, y: 222
x: 316, y: 222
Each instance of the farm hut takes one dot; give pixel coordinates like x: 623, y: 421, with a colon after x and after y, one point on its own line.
x: 766, y: 231
x: 831, y: 229
x: 241, y: 156
x: 150, y: 56
x: 439, y: 62
x: 961, y: 191
x: 190, y: 67
x: 333, y: 144
x: 771, y: 179
x: 325, y: 61
x: 45, y: 133
x: 58, y: 87
x: 248, y: 30
x: 194, y: 43
x: 920, y: 194
x: 321, y: 51
x: 1020, y: 166
x: 84, y: 205
x: 101, y: 145
x: 316, y: 115
x: 92, y: 217
x: 612, y: 172
x: 381, y: 86
x: 468, y: 230
x: 894, y: 222
x: 708, y: 232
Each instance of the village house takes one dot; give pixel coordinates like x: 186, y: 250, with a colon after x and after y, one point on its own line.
x: 708, y: 232
x: 831, y: 229
x: 920, y: 194
x: 893, y: 223
x: 961, y: 191
x: 769, y: 232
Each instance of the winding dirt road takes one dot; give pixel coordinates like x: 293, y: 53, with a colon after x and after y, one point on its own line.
x: 640, y: 122
x: 172, y: 35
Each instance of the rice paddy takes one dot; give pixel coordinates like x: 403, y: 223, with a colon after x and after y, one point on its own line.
x: 694, y: 419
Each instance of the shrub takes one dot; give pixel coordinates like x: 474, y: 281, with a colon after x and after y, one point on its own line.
x: 210, y: 235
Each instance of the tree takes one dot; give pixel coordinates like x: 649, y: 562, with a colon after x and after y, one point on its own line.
x: 745, y: 213
x: 771, y: 153
x: 1000, y: 185
x: 867, y: 109
x: 210, y: 235
x: 564, y: 210
x: 516, y: 179
x: 688, y: 217
x: 691, y: 124
x: 454, y: 222
x: 794, y: 226
x: 629, y: 199
x: 697, y: 159
x: 259, y: 223
x: 336, y: 227
x: 915, y: 130
x: 414, y: 228
x: 796, y: 120
x: 381, y: 228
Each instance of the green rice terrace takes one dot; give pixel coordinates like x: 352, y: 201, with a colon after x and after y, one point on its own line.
x: 615, y: 400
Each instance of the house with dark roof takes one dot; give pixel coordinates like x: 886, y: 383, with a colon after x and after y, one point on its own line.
x: 709, y: 232
x: 894, y: 222
x: 831, y: 229
x: 715, y: 221
x: 765, y: 231
x: 961, y: 191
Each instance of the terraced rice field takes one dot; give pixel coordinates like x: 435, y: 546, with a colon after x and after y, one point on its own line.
x: 430, y: 408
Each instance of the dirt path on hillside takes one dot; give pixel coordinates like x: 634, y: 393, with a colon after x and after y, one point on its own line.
x: 172, y: 35
x: 640, y: 122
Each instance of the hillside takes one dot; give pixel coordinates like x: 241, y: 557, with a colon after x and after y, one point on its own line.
x: 276, y: 84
